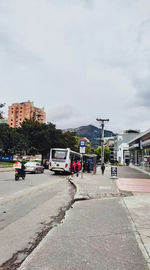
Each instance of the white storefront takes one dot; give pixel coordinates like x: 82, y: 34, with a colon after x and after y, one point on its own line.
x: 123, y: 155
x: 121, y: 148
x: 140, y: 151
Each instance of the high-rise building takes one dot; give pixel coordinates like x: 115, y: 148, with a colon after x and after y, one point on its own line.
x: 19, y: 112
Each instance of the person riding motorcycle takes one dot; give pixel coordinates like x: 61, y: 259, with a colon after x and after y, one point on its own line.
x: 20, y: 171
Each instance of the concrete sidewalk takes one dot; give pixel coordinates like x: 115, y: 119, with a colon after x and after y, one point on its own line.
x: 137, y: 204
x: 97, y: 186
x: 7, y: 169
x: 107, y: 231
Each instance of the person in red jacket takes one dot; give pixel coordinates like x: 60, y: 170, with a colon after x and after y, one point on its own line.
x: 78, y: 167
x: 73, y: 166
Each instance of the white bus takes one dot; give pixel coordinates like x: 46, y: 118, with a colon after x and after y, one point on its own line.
x: 61, y: 159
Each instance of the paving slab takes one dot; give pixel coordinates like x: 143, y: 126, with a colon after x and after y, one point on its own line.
x: 133, y: 184
x: 95, y: 186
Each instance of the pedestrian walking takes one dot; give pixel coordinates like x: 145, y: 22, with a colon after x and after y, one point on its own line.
x: 103, y: 168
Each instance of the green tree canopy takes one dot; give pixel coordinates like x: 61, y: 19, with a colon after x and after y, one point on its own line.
x: 34, y: 138
x: 106, y: 153
x: 1, y: 112
x: 6, y: 139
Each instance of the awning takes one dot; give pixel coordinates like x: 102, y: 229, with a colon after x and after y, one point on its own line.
x: 136, y: 145
x: 146, y: 143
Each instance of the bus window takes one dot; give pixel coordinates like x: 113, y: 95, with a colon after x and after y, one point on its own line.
x: 59, y: 154
x: 71, y: 156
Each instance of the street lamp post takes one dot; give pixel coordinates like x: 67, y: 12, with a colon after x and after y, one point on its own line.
x: 102, y: 139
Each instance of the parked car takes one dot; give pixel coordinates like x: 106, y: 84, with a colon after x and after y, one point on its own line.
x: 34, y: 167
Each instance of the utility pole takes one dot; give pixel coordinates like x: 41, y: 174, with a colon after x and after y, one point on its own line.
x: 102, y: 121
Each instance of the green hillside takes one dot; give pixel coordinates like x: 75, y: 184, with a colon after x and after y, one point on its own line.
x: 92, y: 133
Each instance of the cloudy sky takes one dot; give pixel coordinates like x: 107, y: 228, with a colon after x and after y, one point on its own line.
x: 79, y: 59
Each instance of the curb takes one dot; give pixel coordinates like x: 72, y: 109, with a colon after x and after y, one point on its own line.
x: 77, y: 196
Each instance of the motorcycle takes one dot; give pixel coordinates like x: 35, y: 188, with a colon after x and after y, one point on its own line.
x: 19, y: 173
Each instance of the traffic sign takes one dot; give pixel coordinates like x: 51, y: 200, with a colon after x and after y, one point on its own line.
x: 82, y: 143
x: 82, y: 150
x: 114, y: 171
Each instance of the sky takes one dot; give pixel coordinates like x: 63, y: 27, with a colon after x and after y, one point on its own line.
x: 79, y: 59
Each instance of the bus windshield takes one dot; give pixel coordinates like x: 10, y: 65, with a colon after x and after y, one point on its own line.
x: 59, y: 154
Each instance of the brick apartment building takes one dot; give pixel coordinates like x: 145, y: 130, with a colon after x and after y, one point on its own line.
x: 18, y: 112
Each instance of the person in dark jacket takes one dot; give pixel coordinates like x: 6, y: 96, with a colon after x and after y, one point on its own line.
x: 21, y: 169
x: 88, y: 167
x: 103, y: 168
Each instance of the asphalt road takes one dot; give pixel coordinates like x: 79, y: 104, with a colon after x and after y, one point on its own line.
x: 127, y: 172
x: 28, y: 210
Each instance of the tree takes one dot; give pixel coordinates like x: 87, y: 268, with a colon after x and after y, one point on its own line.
x: 6, y: 139
x: 1, y: 112
x: 77, y: 142
x: 34, y: 138
x: 88, y: 148
x: 97, y: 151
x: 70, y: 140
x: 106, y: 153
x: 40, y: 138
x: 19, y: 142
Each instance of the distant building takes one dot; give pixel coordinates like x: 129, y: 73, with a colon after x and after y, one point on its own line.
x: 109, y: 141
x: 121, y: 146
x: 139, y: 148
x: 19, y: 112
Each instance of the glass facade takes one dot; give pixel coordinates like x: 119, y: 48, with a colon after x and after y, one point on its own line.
x: 140, y: 156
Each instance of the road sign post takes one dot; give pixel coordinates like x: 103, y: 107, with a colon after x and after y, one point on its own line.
x: 82, y: 151
x: 113, y: 172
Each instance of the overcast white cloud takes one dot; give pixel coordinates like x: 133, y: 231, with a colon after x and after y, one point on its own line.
x: 79, y: 59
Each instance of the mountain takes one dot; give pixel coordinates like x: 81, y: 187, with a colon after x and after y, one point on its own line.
x: 92, y: 133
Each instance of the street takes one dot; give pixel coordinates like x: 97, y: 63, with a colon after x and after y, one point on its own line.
x: 45, y: 224
x: 29, y: 208
x: 75, y: 125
